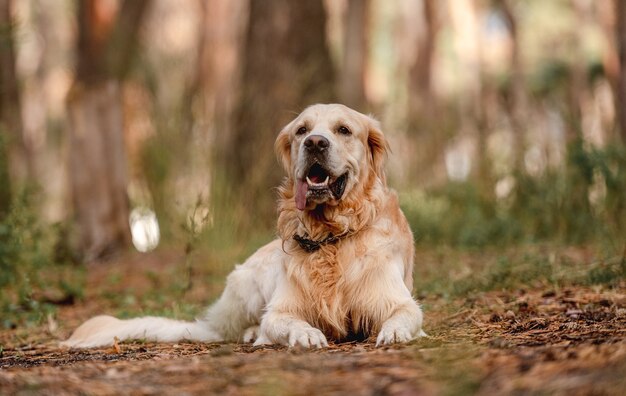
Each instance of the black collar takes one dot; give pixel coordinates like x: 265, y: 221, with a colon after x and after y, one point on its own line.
x: 310, y: 245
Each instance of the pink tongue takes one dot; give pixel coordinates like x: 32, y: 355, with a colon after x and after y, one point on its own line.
x: 301, y: 188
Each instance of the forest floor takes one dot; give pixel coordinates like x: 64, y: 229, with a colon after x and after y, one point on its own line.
x: 548, y: 322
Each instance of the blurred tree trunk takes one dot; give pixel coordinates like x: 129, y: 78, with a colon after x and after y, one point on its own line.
x: 212, y: 90
x: 355, y: 45
x: 97, y: 157
x: 517, y: 101
x: 578, y: 89
x: 606, y: 11
x: 219, y: 55
x: 620, y: 102
x: 465, y: 17
x: 14, y: 159
x: 286, y: 67
x: 421, y: 100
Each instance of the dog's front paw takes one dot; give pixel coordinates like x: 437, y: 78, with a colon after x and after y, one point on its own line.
x: 307, y: 337
x: 393, y: 334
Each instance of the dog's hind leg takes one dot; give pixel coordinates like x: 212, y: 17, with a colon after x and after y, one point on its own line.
x: 248, y: 289
x: 237, y: 308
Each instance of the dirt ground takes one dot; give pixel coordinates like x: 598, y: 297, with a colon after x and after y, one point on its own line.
x: 543, y: 340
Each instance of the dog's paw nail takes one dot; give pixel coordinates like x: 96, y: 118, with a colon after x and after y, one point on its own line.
x: 307, y: 338
x: 393, y: 336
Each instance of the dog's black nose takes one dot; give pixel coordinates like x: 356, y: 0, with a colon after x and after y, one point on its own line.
x: 316, y: 143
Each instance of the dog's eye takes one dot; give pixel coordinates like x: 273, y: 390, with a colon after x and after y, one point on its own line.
x: 344, y: 130
x: 301, y: 130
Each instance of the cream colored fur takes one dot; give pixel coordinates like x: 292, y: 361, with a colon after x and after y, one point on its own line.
x: 285, y: 295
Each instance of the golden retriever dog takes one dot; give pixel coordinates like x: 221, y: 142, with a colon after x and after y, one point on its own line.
x: 341, y: 268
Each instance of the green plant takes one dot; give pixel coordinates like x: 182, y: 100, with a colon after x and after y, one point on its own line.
x: 459, y: 215
x: 35, y: 270
x: 583, y: 201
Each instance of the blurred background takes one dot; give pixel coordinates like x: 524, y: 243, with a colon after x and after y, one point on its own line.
x: 149, y: 124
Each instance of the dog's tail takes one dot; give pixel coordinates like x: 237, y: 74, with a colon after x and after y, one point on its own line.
x: 104, y: 330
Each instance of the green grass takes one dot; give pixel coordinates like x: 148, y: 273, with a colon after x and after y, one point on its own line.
x: 455, y: 272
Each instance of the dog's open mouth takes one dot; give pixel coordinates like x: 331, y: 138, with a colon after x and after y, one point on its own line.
x: 318, y: 186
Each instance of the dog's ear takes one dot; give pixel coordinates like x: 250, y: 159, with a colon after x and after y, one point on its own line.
x: 282, y: 147
x: 378, y: 147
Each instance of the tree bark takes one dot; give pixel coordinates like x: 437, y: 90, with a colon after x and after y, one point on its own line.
x: 420, y: 74
x: 98, y: 168
x: 355, y: 50
x: 212, y: 90
x: 287, y: 66
x: 517, y: 103
x: 14, y: 160
x: 97, y: 157
x: 620, y: 102
x: 122, y: 44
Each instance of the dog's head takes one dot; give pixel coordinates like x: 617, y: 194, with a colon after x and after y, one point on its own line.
x: 330, y: 150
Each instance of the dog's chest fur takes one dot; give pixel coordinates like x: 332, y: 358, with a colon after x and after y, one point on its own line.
x: 328, y: 280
